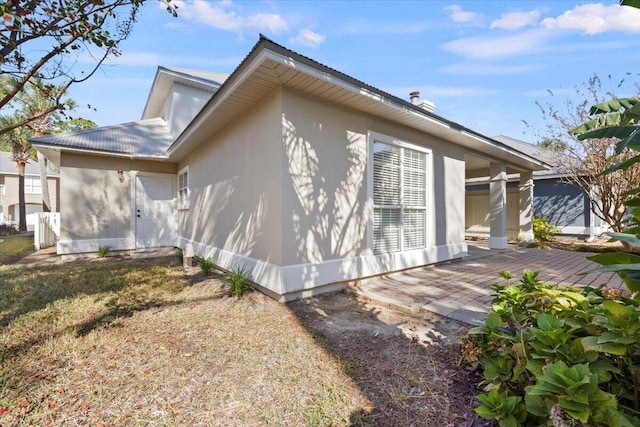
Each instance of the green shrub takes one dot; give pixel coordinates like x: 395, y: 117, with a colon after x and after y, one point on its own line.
x: 563, y: 354
x: 206, y: 265
x: 103, y: 251
x: 543, y: 231
x: 8, y: 230
x: 239, y: 281
x: 180, y: 255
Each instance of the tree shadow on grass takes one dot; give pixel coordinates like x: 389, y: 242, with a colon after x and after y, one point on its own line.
x: 120, y: 290
x: 407, y: 365
x: 29, y: 289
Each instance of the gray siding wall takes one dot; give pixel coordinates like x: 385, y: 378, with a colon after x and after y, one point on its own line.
x: 563, y: 203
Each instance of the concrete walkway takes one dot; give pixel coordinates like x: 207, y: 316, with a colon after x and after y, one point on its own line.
x: 462, y: 289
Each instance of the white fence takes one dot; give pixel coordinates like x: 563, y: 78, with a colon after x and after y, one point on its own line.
x: 46, y: 230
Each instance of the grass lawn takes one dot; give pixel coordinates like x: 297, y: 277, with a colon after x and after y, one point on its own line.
x: 112, y: 342
x: 14, y: 247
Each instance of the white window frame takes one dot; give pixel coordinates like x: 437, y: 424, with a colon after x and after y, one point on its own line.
x: 183, y: 190
x: 29, y: 188
x: 429, y: 182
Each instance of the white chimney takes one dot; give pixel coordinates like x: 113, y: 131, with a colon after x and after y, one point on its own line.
x: 415, y: 97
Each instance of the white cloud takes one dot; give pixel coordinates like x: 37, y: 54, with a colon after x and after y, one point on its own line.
x: 473, y: 69
x: 153, y: 59
x: 485, y: 47
x: 366, y: 27
x: 460, y: 16
x: 516, y: 20
x: 308, y: 38
x: 221, y: 16
x: 596, y: 18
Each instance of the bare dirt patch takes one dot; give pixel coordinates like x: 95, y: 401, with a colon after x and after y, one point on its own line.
x: 601, y: 244
x: 407, y: 365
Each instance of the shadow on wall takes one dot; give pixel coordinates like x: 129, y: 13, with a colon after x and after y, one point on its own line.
x: 329, y: 212
x: 562, y: 210
x: 99, y: 206
x: 207, y: 226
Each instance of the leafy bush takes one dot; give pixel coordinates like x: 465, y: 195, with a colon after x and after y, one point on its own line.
x: 206, y: 265
x: 180, y: 255
x: 550, y: 355
x: 239, y: 281
x: 103, y: 251
x: 543, y: 231
x: 8, y: 229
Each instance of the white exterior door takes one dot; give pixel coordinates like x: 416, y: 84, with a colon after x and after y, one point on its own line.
x: 156, y: 223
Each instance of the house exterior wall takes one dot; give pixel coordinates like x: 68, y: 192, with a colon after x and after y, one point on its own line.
x: 327, y: 196
x: 96, y: 201
x: 284, y: 192
x: 477, y: 215
x: 564, y: 204
x: 234, y: 213
x: 182, y: 105
x: 9, y: 199
x: 448, y: 181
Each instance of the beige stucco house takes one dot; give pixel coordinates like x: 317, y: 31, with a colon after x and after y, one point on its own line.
x: 302, y: 175
x: 9, y: 201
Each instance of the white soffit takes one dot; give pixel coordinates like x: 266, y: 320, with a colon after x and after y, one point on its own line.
x: 270, y: 69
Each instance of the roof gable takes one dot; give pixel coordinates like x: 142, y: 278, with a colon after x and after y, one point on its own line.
x: 166, y: 77
x: 269, y: 65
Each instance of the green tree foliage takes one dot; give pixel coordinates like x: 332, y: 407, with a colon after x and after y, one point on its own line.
x: 584, y: 160
x: 42, y: 39
x: 21, y: 151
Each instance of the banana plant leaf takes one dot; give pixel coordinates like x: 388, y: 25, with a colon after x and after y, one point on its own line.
x: 621, y: 166
x: 629, y: 136
x: 611, y: 119
x: 632, y: 3
x: 615, y: 104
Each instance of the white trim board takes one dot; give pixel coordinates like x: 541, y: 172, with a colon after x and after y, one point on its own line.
x: 292, y: 281
x: 66, y: 247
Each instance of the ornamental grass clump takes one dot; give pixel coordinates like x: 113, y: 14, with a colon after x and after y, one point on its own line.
x: 239, y: 281
x: 206, y: 265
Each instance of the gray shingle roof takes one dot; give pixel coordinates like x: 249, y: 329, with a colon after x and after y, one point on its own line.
x: 144, y: 138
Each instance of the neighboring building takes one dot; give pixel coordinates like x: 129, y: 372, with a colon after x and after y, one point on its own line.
x: 554, y: 197
x: 295, y: 171
x: 9, y: 204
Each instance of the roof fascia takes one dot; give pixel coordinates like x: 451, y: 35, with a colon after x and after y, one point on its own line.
x: 266, y: 49
x: 61, y: 149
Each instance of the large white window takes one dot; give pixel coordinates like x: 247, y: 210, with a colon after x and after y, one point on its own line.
x: 183, y: 188
x: 32, y: 185
x: 399, y: 197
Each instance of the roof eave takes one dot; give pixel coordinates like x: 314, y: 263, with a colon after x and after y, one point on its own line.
x: 61, y: 148
x: 431, y: 123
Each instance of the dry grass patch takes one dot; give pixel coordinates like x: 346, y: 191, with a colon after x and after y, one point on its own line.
x: 123, y: 343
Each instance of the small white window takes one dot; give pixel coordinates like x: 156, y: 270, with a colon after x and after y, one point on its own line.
x: 183, y: 188
x: 32, y: 185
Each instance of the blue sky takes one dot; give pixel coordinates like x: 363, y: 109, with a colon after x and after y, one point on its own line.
x: 484, y: 64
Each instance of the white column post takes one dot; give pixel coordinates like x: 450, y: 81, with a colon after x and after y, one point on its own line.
x: 526, y: 207
x: 498, y: 206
